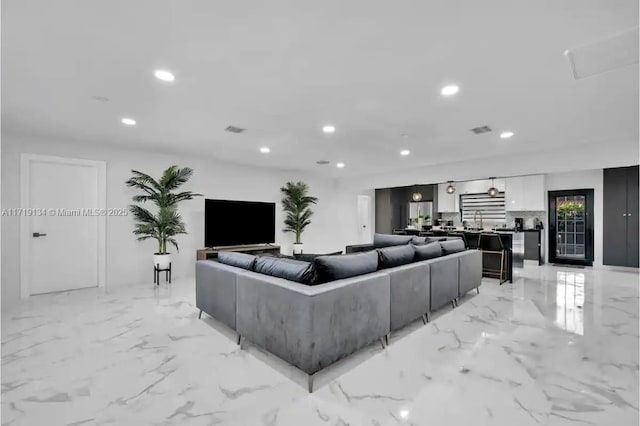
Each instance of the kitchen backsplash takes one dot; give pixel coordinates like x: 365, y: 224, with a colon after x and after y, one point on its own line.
x: 528, y: 217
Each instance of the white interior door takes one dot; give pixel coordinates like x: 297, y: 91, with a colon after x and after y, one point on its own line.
x: 63, y: 229
x: 364, y: 219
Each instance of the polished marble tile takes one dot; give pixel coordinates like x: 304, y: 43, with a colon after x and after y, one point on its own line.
x: 559, y: 346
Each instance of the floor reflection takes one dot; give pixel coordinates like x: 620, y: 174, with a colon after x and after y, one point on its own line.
x: 570, y: 301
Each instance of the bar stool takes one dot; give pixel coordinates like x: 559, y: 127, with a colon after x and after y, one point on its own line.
x: 473, y: 240
x: 491, y: 244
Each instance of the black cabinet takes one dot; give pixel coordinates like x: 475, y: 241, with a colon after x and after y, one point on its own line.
x: 620, y: 211
x: 533, y: 245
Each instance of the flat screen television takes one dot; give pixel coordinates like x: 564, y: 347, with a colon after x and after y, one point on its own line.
x: 231, y: 223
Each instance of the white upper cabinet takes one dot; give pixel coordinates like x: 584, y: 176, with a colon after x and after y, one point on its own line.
x: 534, y: 193
x: 525, y: 193
x: 447, y: 203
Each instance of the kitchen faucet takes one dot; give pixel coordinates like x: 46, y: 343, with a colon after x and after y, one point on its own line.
x: 474, y: 219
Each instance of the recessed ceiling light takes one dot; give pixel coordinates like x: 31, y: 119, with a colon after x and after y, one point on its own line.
x: 405, y: 152
x: 340, y: 165
x: 164, y: 75
x: 449, y: 90
x: 128, y: 121
x: 265, y: 150
x: 328, y: 129
x: 506, y: 135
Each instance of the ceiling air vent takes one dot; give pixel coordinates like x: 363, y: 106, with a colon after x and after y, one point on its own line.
x: 480, y: 130
x: 322, y: 162
x: 234, y: 129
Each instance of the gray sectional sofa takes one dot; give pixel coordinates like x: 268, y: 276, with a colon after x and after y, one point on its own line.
x: 347, y: 303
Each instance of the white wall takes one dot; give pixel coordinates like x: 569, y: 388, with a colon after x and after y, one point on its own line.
x: 333, y: 226
x: 586, y: 179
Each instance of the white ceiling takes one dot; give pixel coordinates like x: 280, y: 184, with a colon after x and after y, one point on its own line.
x: 283, y: 69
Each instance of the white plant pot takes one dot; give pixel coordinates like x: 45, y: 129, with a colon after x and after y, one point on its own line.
x: 162, y: 261
x: 297, y: 248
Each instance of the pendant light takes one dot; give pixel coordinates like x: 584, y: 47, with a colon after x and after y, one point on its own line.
x: 493, y: 191
x: 416, y: 196
x: 450, y: 188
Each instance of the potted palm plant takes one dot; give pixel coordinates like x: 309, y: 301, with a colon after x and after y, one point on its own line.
x: 167, y: 222
x: 296, y: 203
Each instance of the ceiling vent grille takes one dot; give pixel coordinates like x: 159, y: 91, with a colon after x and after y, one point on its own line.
x: 322, y: 162
x: 234, y: 129
x: 480, y: 130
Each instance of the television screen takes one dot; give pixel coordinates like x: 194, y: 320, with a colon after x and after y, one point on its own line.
x: 230, y: 223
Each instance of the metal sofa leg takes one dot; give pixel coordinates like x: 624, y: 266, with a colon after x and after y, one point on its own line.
x: 427, y: 316
x: 387, y: 338
x: 478, y: 290
x: 424, y: 319
x: 382, y: 339
x: 310, y: 383
x: 239, y: 341
x: 200, y: 314
x: 453, y: 304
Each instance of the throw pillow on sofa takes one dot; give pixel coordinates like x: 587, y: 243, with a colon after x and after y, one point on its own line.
x: 418, y: 241
x: 428, y: 251
x: 289, y: 269
x: 239, y: 260
x: 435, y: 239
x: 390, y: 257
x: 310, y: 257
x: 452, y: 246
x: 331, y: 268
x: 387, y: 240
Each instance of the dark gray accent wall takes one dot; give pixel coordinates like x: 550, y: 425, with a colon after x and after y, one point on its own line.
x: 392, y: 209
x: 383, y: 211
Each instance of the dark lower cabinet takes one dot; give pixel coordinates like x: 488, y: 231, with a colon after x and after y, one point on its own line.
x: 620, y: 214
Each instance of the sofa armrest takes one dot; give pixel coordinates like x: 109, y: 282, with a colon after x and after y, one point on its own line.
x: 216, y: 290
x: 469, y: 270
x: 357, y: 248
x: 312, y: 327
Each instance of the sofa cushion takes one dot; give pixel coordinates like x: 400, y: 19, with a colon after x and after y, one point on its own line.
x: 418, y: 241
x: 390, y: 257
x: 289, y: 269
x: 239, y: 260
x: 331, y: 268
x: 452, y: 246
x: 387, y: 240
x: 428, y: 251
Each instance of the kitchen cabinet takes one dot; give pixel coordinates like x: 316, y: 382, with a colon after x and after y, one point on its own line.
x: 447, y: 203
x: 620, y: 211
x: 525, y: 193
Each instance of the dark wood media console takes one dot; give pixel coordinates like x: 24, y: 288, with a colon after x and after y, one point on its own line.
x: 212, y: 253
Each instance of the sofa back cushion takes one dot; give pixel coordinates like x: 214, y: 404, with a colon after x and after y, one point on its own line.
x: 387, y: 240
x: 428, y: 251
x: 452, y: 246
x: 331, y: 268
x: 390, y: 257
x: 239, y: 260
x: 289, y: 269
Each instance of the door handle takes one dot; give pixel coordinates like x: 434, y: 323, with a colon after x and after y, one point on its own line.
x: 38, y: 234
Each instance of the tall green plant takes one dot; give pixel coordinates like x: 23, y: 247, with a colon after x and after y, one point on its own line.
x: 167, y: 223
x: 296, y: 203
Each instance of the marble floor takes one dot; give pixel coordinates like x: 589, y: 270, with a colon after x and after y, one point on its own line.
x: 559, y: 346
